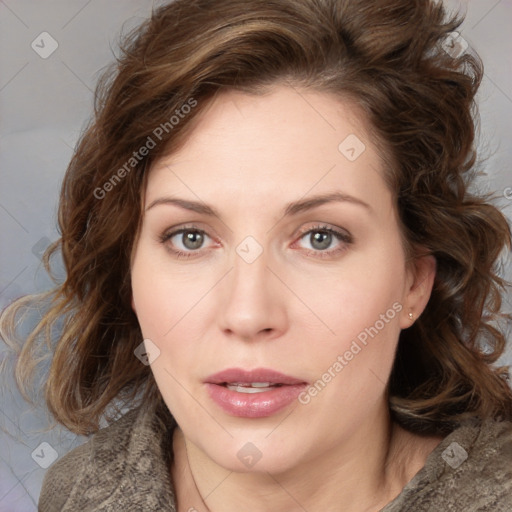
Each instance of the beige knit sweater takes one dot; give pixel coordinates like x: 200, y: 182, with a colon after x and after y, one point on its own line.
x: 123, y: 468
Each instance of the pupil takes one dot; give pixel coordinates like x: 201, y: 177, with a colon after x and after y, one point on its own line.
x: 321, y: 240
x: 192, y: 240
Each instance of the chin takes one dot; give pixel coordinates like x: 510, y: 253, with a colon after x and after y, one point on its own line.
x: 254, y: 451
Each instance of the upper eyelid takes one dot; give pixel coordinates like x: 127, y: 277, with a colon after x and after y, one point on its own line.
x: 317, y: 227
x: 185, y: 227
x: 323, y: 227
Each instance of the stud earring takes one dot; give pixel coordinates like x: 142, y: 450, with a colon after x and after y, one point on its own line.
x: 411, y: 316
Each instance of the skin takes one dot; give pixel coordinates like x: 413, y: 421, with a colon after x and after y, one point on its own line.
x: 295, y: 309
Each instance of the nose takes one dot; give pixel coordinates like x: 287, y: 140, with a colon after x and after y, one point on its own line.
x: 253, y: 302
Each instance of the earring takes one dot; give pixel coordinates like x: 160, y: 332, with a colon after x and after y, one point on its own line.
x: 411, y: 316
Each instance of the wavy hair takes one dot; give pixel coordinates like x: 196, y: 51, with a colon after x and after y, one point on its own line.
x: 387, y: 56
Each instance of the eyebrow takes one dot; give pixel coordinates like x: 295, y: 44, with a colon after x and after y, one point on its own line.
x: 319, y: 200
x: 291, y: 208
x: 194, y: 206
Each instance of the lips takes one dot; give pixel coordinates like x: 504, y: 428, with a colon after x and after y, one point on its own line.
x: 253, y: 393
x: 257, y: 375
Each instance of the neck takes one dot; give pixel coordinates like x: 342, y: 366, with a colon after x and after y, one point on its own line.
x: 364, y: 473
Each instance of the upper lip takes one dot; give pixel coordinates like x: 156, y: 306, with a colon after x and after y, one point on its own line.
x: 239, y: 375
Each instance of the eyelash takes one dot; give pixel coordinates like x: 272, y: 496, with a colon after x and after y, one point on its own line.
x: 166, y: 236
x: 344, y: 237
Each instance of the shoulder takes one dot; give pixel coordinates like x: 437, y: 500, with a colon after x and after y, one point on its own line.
x: 494, y: 440
x: 470, y: 471
x: 490, y: 461
x: 115, y: 465
x: 106, y: 448
x: 474, y: 467
x: 483, y: 448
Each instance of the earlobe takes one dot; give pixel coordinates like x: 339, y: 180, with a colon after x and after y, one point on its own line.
x: 419, y: 291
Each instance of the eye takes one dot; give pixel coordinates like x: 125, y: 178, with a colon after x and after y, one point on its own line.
x: 185, y: 242
x: 190, y: 239
x: 324, y: 240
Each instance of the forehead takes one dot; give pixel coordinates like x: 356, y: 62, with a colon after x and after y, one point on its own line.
x: 283, y: 143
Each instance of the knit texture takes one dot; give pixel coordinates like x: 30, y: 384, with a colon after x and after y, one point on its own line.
x: 124, y: 468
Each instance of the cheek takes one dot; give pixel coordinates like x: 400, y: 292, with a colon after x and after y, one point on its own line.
x: 360, y: 309
x: 168, y: 314
x: 152, y: 304
x: 163, y: 300
x: 363, y: 328
x: 354, y: 296
x: 352, y: 367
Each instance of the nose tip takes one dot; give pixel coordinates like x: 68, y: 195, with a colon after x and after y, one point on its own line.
x: 252, y: 306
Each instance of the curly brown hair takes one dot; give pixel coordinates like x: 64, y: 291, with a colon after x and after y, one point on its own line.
x: 385, y: 55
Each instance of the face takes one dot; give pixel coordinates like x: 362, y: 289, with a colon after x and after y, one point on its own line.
x: 269, y: 273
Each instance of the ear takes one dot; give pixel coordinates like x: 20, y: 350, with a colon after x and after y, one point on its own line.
x: 133, y: 306
x: 420, y: 280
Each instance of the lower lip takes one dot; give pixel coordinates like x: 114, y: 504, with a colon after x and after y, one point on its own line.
x: 254, y: 405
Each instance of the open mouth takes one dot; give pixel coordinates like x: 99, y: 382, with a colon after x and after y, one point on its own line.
x: 253, y: 393
x: 250, y: 387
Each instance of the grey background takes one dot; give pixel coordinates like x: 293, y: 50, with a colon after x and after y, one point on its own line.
x: 44, y: 104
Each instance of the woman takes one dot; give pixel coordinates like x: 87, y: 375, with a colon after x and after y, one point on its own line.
x: 274, y: 261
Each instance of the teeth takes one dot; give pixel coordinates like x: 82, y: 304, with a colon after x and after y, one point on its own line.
x: 253, y: 387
